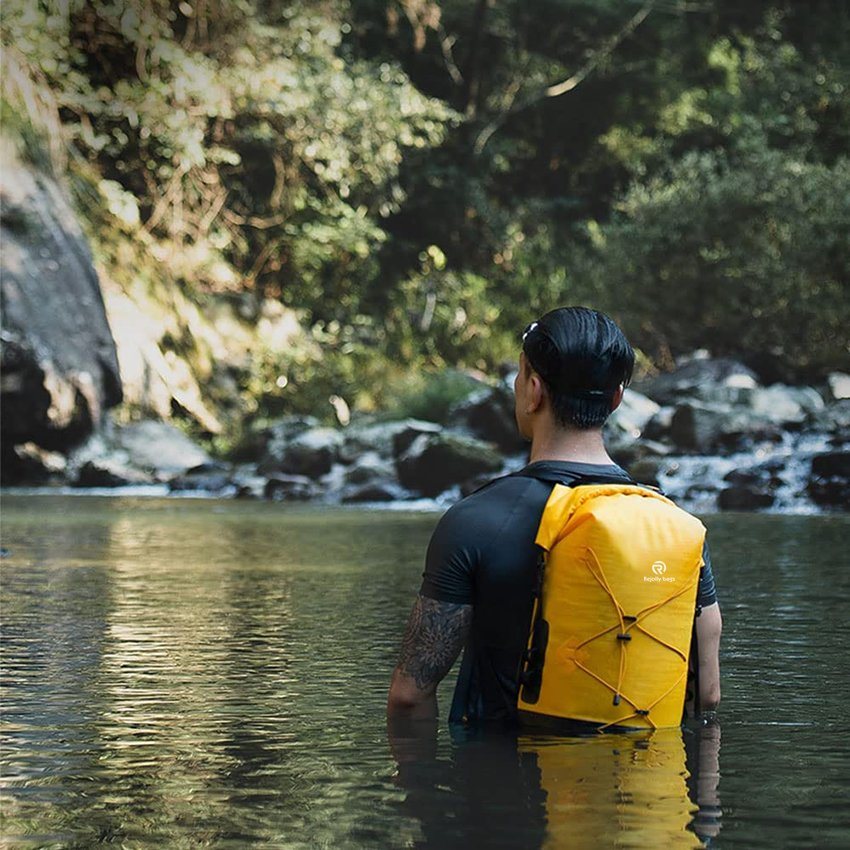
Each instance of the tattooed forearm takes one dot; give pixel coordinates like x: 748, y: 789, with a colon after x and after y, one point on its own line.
x: 436, y: 633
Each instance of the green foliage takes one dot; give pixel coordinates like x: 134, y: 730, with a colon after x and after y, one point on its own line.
x: 427, y: 395
x: 279, y: 158
x: 751, y: 254
x: 420, y: 179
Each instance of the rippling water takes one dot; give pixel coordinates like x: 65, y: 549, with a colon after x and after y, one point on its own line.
x: 203, y: 673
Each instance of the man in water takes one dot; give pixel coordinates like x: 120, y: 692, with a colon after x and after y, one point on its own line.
x: 481, y: 564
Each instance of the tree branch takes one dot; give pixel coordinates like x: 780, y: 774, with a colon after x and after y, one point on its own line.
x: 558, y: 89
x: 446, y: 44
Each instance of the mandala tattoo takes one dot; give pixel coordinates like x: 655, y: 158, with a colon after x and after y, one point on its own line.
x: 436, y: 633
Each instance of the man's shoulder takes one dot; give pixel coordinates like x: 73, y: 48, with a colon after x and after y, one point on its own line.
x: 518, y: 497
x: 502, y: 492
x: 487, y: 509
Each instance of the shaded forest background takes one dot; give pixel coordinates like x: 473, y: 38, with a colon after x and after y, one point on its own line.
x: 413, y: 181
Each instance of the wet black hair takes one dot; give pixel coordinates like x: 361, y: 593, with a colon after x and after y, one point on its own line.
x: 582, y: 357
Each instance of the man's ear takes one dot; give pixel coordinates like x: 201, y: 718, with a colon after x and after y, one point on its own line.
x: 618, y: 397
x: 536, y: 394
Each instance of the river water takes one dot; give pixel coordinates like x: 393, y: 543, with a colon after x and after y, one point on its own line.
x: 182, y: 673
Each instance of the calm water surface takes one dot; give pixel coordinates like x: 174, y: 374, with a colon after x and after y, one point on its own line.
x: 213, y: 674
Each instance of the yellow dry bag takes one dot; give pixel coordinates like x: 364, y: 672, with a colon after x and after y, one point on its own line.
x: 614, y: 611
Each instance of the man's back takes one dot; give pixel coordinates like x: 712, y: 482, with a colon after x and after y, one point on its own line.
x: 482, y: 554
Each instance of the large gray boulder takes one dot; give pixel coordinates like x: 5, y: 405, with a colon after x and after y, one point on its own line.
x: 59, y: 366
x: 836, y: 417
x: 138, y: 453
x: 373, y: 491
x: 752, y: 487
x: 370, y: 467
x: 159, y: 447
x: 311, y: 453
x: 435, y: 462
x: 488, y: 414
x: 386, y: 439
x: 626, y: 425
x: 829, y: 484
x: 213, y: 477
x: 634, y: 413
x: 740, y: 497
x: 281, y: 487
x: 784, y: 405
x: 839, y: 385
x: 371, y: 478
x: 109, y: 472
x: 705, y: 428
x: 719, y: 380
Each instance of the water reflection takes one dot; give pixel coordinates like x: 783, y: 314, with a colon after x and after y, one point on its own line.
x: 496, y: 790
x: 188, y: 673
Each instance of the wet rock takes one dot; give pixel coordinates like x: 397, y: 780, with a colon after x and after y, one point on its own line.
x: 159, y: 448
x: 281, y: 433
x: 741, y: 497
x: 635, y: 451
x: 414, y: 428
x: 435, y: 462
x: 653, y: 449
x: 140, y: 453
x: 658, y: 427
x: 829, y: 484
x: 783, y: 405
x: 311, y: 453
x: 488, y: 414
x: 830, y: 492
x: 835, y: 417
x: 698, y: 427
x: 373, y: 491
x: 59, y: 366
x: 108, y: 472
x: 696, y: 376
x: 624, y: 427
x: 386, y: 439
x: 705, y: 428
x: 764, y: 475
x: 752, y: 487
x: 832, y: 464
x: 206, y: 477
x: 646, y: 471
x: 261, y: 441
x: 248, y: 484
x: 30, y: 464
x: 369, y: 467
x: 281, y: 487
x: 633, y: 414
x: 739, y: 393
x: 839, y: 385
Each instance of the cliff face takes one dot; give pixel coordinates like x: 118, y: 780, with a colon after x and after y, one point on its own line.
x: 59, y: 365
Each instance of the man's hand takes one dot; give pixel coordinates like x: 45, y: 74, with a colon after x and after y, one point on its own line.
x: 436, y: 633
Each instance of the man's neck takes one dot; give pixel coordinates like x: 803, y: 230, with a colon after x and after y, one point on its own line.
x: 577, y: 446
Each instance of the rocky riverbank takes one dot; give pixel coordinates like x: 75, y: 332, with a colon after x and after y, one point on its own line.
x: 708, y: 433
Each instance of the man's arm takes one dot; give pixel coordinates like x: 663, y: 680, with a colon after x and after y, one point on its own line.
x: 709, y: 626
x: 436, y: 633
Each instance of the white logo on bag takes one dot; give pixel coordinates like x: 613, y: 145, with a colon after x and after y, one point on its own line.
x: 659, y: 568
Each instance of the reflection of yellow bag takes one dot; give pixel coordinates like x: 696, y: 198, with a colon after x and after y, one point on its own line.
x: 613, y: 619
x: 615, y: 790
